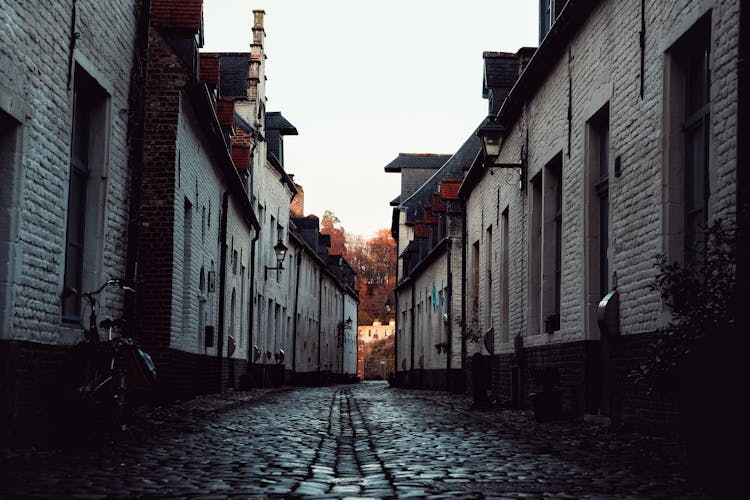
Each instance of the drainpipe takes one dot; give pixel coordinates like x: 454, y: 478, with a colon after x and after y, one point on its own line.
x: 136, y: 126
x: 222, y: 283
x: 320, y: 317
x: 413, y: 329
x: 294, y: 328
x: 251, y: 319
x: 343, y: 325
x: 449, y: 329
x: 464, y: 236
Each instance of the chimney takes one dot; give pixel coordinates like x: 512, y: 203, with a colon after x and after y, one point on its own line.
x: 297, y: 207
x: 256, y: 86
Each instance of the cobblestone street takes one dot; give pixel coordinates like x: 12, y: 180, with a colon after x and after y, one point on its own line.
x: 363, y: 440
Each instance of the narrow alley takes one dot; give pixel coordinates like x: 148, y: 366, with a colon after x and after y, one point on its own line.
x: 365, y: 440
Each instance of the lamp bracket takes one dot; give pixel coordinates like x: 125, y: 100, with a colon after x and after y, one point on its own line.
x: 277, y: 269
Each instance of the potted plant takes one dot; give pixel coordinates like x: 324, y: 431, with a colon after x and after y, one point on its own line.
x: 546, y: 400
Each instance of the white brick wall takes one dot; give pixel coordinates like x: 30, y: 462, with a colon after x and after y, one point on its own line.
x: 34, y: 71
x: 604, y: 68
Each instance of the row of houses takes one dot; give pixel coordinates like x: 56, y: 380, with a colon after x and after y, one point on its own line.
x: 127, y: 152
x: 531, y: 249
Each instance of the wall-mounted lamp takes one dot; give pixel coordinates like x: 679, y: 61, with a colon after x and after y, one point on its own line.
x: 348, y: 324
x: 492, y: 133
x: 388, y: 305
x: 280, y: 250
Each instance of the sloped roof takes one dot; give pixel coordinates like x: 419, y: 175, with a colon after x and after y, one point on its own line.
x: 275, y: 121
x: 235, y: 67
x: 417, y: 160
x: 454, y: 168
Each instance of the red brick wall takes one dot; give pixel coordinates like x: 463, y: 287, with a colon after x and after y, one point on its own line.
x: 166, y: 77
x: 184, y: 14
x: 241, y: 156
x: 210, y: 68
x: 225, y: 111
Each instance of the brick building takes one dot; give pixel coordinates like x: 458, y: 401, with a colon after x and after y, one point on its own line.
x: 622, y: 131
x: 430, y: 289
x: 66, y: 89
x: 196, y: 223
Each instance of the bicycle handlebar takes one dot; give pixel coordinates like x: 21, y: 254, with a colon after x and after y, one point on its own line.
x: 127, y: 285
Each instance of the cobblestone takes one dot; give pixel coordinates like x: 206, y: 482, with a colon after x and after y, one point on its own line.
x: 359, y: 441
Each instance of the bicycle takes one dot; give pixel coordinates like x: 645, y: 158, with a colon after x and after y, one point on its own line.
x: 101, y: 372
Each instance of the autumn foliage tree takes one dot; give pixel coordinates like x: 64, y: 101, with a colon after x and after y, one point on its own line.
x: 374, y: 262
x: 329, y: 225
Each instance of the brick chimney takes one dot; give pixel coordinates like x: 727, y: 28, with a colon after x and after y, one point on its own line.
x: 297, y: 207
x: 256, y: 89
x: 252, y: 109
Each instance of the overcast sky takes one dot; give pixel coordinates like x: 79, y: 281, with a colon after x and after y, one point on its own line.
x: 363, y: 81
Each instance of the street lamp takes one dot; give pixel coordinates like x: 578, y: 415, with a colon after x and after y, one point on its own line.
x: 388, y: 305
x: 280, y: 250
x: 492, y: 133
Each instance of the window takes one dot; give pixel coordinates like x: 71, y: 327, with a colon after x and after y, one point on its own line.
x: 488, y: 272
x: 694, y: 57
x: 84, y: 218
x: 600, y: 143
x: 475, y: 280
x: 10, y: 148
x: 687, y: 118
x: 552, y: 264
x: 535, y: 255
x: 187, y: 286
x: 505, y: 279
x: 598, y: 245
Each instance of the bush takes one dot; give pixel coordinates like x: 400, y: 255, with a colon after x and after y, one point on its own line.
x: 700, y: 297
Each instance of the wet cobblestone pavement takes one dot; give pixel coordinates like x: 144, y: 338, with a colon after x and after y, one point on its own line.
x: 355, y: 441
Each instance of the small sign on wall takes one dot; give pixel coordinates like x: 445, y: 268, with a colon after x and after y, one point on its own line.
x: 212, y: 281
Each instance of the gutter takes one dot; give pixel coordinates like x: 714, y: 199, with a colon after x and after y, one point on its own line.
x: 296, y: 311
x: 413, y: 330
x: 464, y: 322
x: 136, y: 131
x: 320, y: 317
x: 251, y: 319
x: 449, y: 329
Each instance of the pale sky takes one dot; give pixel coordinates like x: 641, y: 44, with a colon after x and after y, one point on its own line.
x: 365, y: 80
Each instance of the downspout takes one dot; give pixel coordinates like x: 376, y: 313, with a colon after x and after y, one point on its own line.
x: 294, y: 328
x: 449, y: 329
x: 343, y: 325
x: 251, y: 319
x: 413, y: 329
x: 222, y: 284
x: 136, y: 130
x: 320, y: 317
x: 464, y: 236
